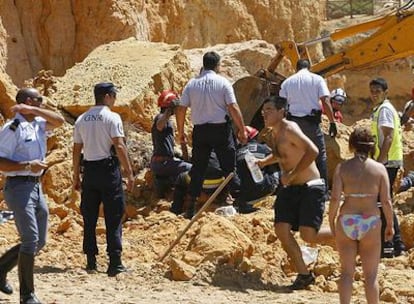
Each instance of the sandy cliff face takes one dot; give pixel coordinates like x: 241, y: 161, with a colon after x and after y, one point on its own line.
x: 144, y: 47
x: 200, y: 23
x: 55, y: 34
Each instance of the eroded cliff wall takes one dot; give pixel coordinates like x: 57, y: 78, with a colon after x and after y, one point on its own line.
x: 46, y: 34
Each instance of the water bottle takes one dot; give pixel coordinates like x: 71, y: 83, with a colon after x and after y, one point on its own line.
x: 309, y: 254
x: 254, y: 168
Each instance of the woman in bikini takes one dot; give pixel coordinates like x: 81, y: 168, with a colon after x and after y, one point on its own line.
x: 356, y: 223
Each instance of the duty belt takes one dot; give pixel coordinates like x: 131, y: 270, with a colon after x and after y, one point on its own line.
x: 25, y: 178
x: 160, y: 158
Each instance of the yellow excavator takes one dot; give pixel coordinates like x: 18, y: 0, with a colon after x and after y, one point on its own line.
x: 389, y: 38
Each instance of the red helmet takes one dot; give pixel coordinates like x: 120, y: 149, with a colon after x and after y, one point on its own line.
x: 251, y: 132
x: 167, y: 98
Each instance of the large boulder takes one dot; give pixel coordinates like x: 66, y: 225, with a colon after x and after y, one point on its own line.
x: 218, y: 238
x: 407, y: 228
x: 139, y: 69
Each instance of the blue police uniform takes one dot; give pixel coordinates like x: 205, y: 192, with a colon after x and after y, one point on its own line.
x: 23, y: 190
x: 209, y: 95
x: 102, y: 178
x: 23, y: 141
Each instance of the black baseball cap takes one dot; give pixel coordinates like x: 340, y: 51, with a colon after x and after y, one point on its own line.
x: 103, y: 88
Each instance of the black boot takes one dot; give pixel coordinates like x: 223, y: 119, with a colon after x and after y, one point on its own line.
x: 190, y: 210
x: 90, y: 262
x: 245, y: 208
x: 7, y: 262
x: 26, y: 264
x: 115, y: 266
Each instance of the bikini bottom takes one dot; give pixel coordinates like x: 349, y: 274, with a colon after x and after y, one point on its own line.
x: 356, y: 226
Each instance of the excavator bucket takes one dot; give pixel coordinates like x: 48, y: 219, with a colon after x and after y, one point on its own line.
x: 250, y: 92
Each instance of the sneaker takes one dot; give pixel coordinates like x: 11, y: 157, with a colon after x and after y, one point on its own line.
x: 410, y: 176
x: 247, y: 209
x: 113, y: 270
x: 388, y: 250
x: 302, y: 281
x: 399, y: 249
x: 190, y: 211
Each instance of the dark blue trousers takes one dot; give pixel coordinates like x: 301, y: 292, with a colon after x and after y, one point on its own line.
x: 397, y: 242
x: 208, y: 137
x: 102, y: 183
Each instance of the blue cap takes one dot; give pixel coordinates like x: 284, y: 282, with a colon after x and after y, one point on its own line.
x: 103, y: 88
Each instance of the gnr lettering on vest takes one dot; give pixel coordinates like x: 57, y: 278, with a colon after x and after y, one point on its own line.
x: 93, y: 117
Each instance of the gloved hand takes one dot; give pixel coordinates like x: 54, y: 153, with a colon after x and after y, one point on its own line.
x: 332, y: 129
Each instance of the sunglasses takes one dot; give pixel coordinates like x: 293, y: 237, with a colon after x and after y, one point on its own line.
x: 37, y: 99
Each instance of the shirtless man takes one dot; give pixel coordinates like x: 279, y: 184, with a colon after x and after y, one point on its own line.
x: 300, y: 202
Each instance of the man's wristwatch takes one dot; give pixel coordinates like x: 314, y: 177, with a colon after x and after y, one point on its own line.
x: 28, y: 166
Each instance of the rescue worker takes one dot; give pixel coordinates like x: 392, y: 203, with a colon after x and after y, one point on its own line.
x: 386, y: 128
x: 408, y: 112
x: 338, y: 98
x: 212, y: 101
x: 304, y: 91
x: 249, y: 189
x: 22, y: 160
x: 164, y: 165
x: 406, y: 182
x: 99, y: 133
x: 212, y: 180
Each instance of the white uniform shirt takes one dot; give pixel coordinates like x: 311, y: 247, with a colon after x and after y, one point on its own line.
x: 208, y: 96
x: 303, y: 91
x: 26, y: 143
x: 95, y: 130
x: 385, y: 119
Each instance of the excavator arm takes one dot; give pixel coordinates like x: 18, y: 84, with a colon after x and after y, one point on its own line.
x: 391, y: 38
x: 388, y: 38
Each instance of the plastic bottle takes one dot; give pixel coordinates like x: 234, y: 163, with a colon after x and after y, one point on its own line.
x: 309, y: 254
x: 254, y: 168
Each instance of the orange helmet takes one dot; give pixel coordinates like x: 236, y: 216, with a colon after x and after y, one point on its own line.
x: 167, y: 99
x: 251, y: 132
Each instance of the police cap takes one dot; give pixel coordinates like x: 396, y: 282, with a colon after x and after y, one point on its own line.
x: 103, y: 88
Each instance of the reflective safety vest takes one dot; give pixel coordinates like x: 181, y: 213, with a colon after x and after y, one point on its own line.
x: 395, y: 154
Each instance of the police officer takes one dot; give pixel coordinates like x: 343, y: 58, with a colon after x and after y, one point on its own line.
x: 22, y: 161
x: 212, y: 101
x: 304, y: 91
x: 96, y: 131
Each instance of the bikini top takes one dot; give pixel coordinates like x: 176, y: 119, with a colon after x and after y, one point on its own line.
x: 362, y: 158
x: 360, y: 195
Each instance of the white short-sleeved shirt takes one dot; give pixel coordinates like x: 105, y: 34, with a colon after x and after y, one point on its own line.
x: 303, y: 91
x: 208, y: 96
x: 95, y: 130
x: 27, y: 142
x: 385, y: 119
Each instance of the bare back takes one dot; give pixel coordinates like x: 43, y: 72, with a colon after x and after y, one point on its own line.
x: 362, y: 182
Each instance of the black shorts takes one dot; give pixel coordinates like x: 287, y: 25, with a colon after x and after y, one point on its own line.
x: 300, y: 205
